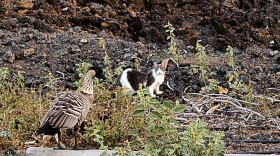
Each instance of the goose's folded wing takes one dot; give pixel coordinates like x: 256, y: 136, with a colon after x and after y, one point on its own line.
x: 67, y: 110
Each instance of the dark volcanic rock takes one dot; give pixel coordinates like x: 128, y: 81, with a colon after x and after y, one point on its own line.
x: 9, y: 56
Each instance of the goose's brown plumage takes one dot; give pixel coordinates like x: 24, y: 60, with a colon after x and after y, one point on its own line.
x: 69, y: 110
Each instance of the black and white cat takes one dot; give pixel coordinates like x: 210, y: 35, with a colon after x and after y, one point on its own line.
x: 131, y: 78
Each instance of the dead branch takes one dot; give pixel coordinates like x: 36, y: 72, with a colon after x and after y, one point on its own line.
x: 187, y: 114
x: 167, y: 83
x: 187, y: 89
x: 272, y: 100
x: 174, y: 62
x: 194, y: 107
x: 211, y: 98
x: 243, y: 108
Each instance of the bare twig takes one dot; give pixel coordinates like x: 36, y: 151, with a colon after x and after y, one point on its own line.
x: 256, y: 141
x: 63, y: 75
x: 277, y: 89
x: 187, y: 89
x: 182, y: 119
x: 194, y: 107
x: 187, y: 114
x: 174, y: 62
x: 246, y: 109
x: 210, y: 98
x: 167, y: 83
x: 268, y: 98
x: 220, y: 96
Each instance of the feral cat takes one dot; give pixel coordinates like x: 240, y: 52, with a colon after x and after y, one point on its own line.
x: 130, y: 79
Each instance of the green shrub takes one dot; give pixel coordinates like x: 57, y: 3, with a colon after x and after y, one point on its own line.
x: 143, y: 123
x: 20, y: 109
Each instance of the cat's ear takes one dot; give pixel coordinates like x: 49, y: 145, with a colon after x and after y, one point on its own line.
x: 164, y: 63
x: 155, y: 65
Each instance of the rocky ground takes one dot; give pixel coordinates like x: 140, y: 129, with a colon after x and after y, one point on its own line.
x: 48, y: 36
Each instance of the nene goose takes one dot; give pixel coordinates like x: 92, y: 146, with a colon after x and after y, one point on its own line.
x: 70, y: 109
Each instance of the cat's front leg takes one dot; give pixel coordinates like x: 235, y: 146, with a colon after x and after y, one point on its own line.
x: 151, y: 90
x: 157, y: 90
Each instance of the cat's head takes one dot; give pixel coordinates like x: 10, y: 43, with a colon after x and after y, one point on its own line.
x: 159, y: 69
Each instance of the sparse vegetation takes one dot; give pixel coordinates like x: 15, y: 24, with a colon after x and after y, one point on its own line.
x: 20, y: 109
x: 81, y: 70
x: 144, y: 124
x: 202, y: 59
x: 234, y: 81
x: 172, y: 44
x: 109, y: 73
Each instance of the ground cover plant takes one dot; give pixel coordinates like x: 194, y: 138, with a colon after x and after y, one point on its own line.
x: 227, y: 73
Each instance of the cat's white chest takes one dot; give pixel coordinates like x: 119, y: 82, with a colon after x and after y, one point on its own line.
x: 159, y: 78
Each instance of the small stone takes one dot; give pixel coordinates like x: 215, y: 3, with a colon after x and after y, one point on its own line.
x: 75, y: 49
x: 278, y: 74
x: 259, y: 77
x: 77, y: 29
x: 259, y: 68
x: 9, y: 56
x: 65, y: 9
x: 9, y: 23
x: 273, y: 53
x: 83, y: 40
x: 24, y: 30
x: 28, y: 52
x: 2, y: 34
x: 26, y: 4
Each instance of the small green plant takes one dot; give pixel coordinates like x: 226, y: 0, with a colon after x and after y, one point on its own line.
x: 161, y: 135
x: 107, y: 61
x: 172, y: 44
x: 109, y: 73
x: 20, y: 79
x: 4, y: 75
x: 198, y: 140
x: 81, y: 70
x: 212, y: 87
x: 202, y: 59
x: 194, y: 69
x: 50, y: 81
x: 234, y: 81
x: 137, y: 63
x: 112, y: 118
x: 20, y: 110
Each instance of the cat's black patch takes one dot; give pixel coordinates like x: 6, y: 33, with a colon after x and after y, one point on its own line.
x: 150, y: 79
x: 135, y: 78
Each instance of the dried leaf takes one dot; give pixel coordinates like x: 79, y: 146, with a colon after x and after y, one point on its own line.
x: 223, y: 90
x: 211, y: 110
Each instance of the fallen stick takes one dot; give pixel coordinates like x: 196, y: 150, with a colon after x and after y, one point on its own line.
x: 246, y: 109
x: 222, y: 98
x: 194, y: 107
x: 167, y: 83
x: 174, y: 62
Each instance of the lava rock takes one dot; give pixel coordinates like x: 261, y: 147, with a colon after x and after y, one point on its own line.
x: 28, y: 52
x: 9, y: 23
x: 9, y: 56
x: 273, y: 53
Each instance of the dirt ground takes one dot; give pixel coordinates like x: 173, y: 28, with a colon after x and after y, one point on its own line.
x: 47, y: 36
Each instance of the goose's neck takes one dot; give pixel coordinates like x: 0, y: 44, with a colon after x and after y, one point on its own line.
x: 87, y: 85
